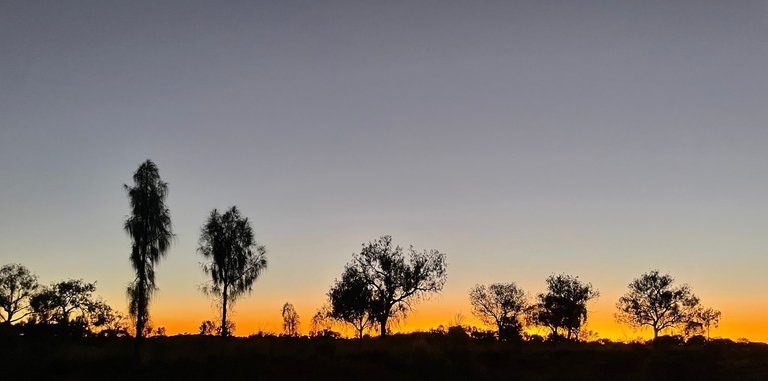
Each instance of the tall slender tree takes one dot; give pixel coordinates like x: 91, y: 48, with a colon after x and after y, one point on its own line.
x: 149, y: 227
x: 235, y: 259
x: 290, y: 320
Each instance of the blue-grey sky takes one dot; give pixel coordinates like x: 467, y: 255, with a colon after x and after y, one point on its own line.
x: 523, y: 138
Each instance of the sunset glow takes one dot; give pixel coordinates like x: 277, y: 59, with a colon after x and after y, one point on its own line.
x: 520, y: 138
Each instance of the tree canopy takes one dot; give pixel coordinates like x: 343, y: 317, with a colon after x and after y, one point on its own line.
x: 17, y: 285
x: 394, y: 282
x: 502, y: 305
x: 563, y: 308
x: 351, y: 300
x: 653, y: 301
x: 235, y: 259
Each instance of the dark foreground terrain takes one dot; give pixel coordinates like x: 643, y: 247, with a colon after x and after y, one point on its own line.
x: 402, y: 357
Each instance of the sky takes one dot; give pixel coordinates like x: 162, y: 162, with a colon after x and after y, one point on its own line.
x: 601, y: 139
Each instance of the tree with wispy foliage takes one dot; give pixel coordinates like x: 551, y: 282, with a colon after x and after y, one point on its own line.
x: 706, y: 318
x: 396, y: 281
x: 235, y: 259
x: 149, y: 227
x: 654, y: 301
x: 17, y: 285
x: 501, y: 305
x: 351, y: 300
x: 290, y: 320
x: 322, y: 322
x: 563, y: 307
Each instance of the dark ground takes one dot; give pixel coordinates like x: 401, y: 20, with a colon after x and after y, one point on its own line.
x: 401, y: 357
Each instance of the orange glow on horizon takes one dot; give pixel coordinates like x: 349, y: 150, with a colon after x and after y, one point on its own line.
x: 735, y: 323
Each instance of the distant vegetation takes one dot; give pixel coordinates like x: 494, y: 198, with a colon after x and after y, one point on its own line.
x: 382, y: 283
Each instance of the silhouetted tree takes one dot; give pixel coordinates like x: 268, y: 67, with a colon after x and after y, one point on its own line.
x: 351, y: 300
x: 229, y: 328
x: 653, y: 301
x: 149, y: 227
x: 708, y: 318
x: 502, y: 305
x: 207, y: 328
x: 17, y: 285
x: 290, y: 320
x: 322, y: 323
x: 394, y: 282
x: 160, y: 332
x: 563, y: 308
x: 236, y: 260
x: 105, y: 321
x: 59, y: 301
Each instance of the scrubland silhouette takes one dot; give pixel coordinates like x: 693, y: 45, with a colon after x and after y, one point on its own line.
x: 65, y: 331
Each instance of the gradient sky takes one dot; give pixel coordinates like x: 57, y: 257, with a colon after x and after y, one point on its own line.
x: 598, y: 138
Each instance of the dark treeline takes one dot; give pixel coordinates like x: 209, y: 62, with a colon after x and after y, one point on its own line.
x: 380, y: 285
x: 65, y: 328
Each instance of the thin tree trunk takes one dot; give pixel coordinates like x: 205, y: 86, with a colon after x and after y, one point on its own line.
x: 383, y: 323
x: 141, y: 304
x: 9, y: 310
x: 224, y: 327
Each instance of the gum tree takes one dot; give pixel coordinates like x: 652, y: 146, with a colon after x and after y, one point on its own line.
x: 17, y: 285
x: 653, y: 301
x: 395, y: 280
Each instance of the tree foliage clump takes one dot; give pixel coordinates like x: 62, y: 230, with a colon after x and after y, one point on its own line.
x: 502, y: 305
x: 654, y: 301
x: 70, y: 307
x: 563, y: 307
x: 381, y: 283
x: 59, y: 301
x: 351, y: 301
x: 207, y: 328
x: 17, y: 285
